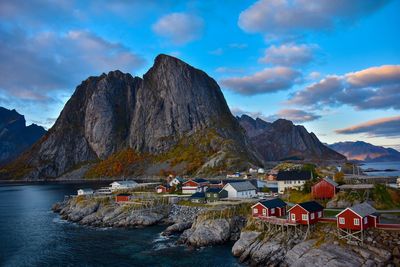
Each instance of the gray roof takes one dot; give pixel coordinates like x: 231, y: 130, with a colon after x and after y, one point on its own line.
x: 243, y: 186
x: 363, y: 209
x: 332, y: 182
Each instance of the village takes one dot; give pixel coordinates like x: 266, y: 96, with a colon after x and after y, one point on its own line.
x: 285, y: 198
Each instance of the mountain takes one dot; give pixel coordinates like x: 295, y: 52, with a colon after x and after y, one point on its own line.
x: 365, y: 151
x: 253, y: 127
x: 174, y: 118
x: 283, y: 140
x: 15, y: 136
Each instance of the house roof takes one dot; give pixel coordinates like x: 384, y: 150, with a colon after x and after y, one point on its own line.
x: 215, y: 182
x: 200, y: 180
x: 180, y: 179
x: 329, y: 180
x: 273, y: 203
x: 293, y: 175
x: 243, y: 186
x: 363, y: 209
x: 213, y: 190
x: 311, y: 206
x: 198, y: 195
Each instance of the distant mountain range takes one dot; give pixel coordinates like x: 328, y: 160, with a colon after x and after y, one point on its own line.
x: 282, y: 140
x: 15, y: 136
x: 363, y: 151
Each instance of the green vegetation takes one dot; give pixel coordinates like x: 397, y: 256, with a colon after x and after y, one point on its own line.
x: 330, y: 213
x: 385, y: 198
x: 339, y: 178
x: 297, y: 196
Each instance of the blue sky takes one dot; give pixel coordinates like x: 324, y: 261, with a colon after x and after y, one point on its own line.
x: 333, y: 66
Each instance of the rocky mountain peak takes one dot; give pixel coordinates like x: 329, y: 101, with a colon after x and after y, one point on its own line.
x: 114, y: 112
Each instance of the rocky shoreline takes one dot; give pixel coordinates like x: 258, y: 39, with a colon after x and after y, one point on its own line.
x: 254, y: 245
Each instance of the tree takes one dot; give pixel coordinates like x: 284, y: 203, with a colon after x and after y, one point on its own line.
x: 339, y: 178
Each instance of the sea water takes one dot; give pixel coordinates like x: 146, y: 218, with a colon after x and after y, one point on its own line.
x: 32, y: 235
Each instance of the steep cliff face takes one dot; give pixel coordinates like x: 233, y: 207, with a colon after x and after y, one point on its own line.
x: 252, y: 126
x: 282, y: 140
x: 15, y: 136
x: 115, y: 111
x: 365, y: 152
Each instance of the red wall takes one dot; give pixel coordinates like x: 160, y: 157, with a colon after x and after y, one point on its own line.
x: 349, y: 217
x: 277, y: 212
x: 322, y: 190
x: 122, y: 198
x: 299, y: 211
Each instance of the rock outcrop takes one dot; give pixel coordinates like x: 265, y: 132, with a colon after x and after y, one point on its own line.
x: 282, y: 140
x: 15, y: 136
x: 151, y: 115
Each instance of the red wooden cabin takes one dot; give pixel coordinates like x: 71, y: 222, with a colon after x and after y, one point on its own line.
x: 326, y: 188
x: 192, y: 186
x: 306, y: 213
x: 358, y: 217
x: 161, y: 189
x: 267, y: 208
x: 122, y: 197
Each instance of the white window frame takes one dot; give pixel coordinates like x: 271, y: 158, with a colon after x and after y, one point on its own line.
x: 304, y: 217
x: 272, y: 210
x: 319, y: 214
x: 264, y: 212
x: 356, y: 221
x: 255, y: 210
x: 342, y: 220
x: 312, y: 216
x: 365, y: 220
x: 293, y: 216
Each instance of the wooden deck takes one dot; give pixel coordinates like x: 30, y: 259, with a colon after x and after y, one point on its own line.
x: 278, y: 221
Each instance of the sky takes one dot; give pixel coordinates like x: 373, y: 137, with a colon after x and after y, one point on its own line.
x: 332, y: 66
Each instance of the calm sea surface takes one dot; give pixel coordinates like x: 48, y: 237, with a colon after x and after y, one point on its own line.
x: 383, y: 166
x: 32, y: 235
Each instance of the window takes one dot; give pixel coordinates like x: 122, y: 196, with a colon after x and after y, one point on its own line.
x: 304, y: 217
x: 272, y: 210
x: 209, y: 195
x: 341, y: 220
x: 215, y: 195
x: 319, y: 214
x: 264, y: 212
x: 365, y: 220
x: 255, y: 211
x: 356, y: 221
x: 312, y: 216
x: 293, y: 216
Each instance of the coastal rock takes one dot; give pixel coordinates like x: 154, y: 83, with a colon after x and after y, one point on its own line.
x: 209, y: 232
x: 178, y: 227
x: 245, y: 240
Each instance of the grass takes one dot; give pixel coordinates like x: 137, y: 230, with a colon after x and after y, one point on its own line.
x: 330, y: 213
x: 298, y: 196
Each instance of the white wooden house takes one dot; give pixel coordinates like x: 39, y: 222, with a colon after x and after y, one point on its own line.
x: 85, y: 192
x: 243, y: 189
x: 119, y: 185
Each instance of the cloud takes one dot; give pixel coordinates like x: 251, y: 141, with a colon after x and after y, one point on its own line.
x: 288, y: 17
x: 289, y: 54
x: 34, y: 65
x: 266, y: 81
x: 372, y: 88
x: 180, y: 28
x: 384, y: 127
x: 295, y: 115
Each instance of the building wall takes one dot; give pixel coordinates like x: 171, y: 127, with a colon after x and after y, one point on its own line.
x: 122, y: 198
x: 282, y: 185
x: 261, y: 210
x: 349, y: 216
x: 323, y: 190
x: 299, y: 212
x: 189, y: 190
